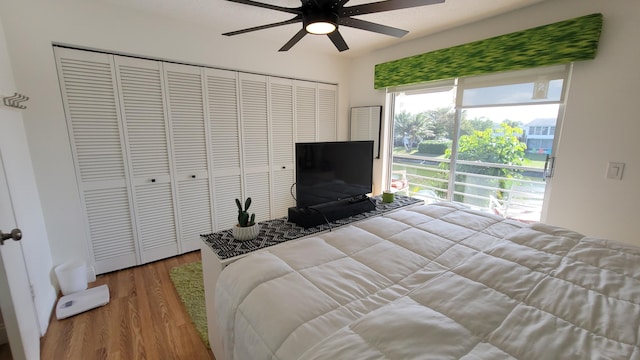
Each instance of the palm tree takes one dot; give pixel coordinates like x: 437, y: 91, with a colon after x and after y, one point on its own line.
x: 414, y: 126
x: 440, y: 122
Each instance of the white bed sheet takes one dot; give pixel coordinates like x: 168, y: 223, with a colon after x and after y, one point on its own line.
x: 434, y: 281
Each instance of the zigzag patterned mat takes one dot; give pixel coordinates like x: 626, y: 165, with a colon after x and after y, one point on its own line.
x: 273, y: 232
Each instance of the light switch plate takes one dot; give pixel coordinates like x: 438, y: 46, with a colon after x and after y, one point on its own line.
x: 615, y: 170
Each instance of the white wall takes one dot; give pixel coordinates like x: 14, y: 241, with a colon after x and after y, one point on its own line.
x: 31, y: 26
x: 600, y: 123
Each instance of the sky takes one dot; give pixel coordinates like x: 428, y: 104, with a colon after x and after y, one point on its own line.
x: 501, y: 94
x: 523, y: 114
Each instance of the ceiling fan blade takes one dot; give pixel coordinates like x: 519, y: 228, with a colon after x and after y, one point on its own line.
x: 311, y: 3
x: 384, y: 6
x: 369, y: 26
x: 296, y: 11
x: 338, y: 41
x: 296, y: 19
x: 294, y: 40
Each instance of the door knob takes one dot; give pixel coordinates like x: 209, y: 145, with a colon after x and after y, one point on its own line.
x: 15, y: 234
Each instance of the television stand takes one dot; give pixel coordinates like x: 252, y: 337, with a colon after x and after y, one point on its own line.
x: 356, y: 199
x: 323, y: 213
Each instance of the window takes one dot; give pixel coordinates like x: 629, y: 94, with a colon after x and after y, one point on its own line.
x: 474, y: 140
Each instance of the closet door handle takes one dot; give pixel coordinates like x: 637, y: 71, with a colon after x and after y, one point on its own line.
x: 193, y: 176
x: 153, y: 180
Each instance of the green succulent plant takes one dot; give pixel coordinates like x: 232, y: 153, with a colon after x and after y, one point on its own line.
x: 244, y: 220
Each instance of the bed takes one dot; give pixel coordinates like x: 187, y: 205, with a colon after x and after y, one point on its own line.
x: 435, y: 281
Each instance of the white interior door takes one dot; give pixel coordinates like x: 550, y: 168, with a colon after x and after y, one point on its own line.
x: 16, y: 303
x: 27, y: 295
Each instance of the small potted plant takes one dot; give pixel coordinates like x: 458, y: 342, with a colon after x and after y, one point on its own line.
x: 247, y: 228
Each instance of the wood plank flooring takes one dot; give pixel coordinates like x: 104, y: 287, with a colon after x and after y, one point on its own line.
x: 144, y: 320
x: 5, y: 352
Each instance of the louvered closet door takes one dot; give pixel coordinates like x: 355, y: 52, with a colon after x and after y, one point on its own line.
x: 360, y: 124
x: 224, y: 123
x: 146, y: 130
x: 185, y: 93
x: 255, y: 143
x: 306, y: 110
x: 282, y: 145
x: 88, y: 86
x: 327, y: 112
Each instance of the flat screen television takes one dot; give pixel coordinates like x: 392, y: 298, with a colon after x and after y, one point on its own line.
x: 333, y: 171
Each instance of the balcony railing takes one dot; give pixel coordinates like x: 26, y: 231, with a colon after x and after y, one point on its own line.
x: 517, y: 196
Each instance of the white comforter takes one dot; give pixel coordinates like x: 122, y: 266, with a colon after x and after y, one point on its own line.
x: 434, y: 282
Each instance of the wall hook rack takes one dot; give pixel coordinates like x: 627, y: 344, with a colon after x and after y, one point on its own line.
x: 15, y: 100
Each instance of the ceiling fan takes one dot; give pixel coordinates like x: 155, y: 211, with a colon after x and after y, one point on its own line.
x: 322, y: 17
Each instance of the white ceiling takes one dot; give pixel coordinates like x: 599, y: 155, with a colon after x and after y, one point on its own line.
x: 222, y: 16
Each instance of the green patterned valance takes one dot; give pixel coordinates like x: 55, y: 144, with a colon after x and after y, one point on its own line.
x: 558, y: 43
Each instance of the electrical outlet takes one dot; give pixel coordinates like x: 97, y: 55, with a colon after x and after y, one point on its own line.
x: 615, y: 170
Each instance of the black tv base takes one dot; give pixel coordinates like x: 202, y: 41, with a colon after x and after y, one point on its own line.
x: 320, y: 214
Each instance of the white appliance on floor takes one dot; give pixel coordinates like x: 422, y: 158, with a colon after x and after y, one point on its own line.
x: 73, y: 277
x: 82, y: 301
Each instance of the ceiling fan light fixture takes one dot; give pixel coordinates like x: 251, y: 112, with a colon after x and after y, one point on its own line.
x: 324, y: 17
x: 321, y: 24
x: 320, y: 28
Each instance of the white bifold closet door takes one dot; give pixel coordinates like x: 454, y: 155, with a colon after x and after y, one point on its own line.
x: 282, y: 125
x: 161, y: 150
x: 327, y: 110
x: 146, y: 133
x: 316, y: 108
x: 89, y: 94
x: 223, y: 118
x: 306, y: 111
x: 185, y: 95
x: 255, y: 143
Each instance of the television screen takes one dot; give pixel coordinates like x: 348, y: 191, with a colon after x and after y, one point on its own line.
x: 331, y: 171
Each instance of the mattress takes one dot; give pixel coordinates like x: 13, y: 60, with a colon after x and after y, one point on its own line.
x: 431, y: 282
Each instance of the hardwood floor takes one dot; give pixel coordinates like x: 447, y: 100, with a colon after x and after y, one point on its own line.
x: 144, y: 320
x: 5, y: 352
